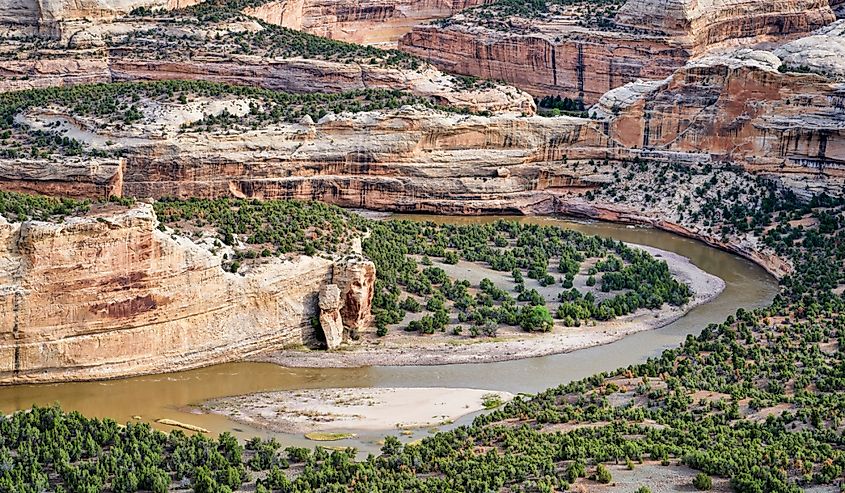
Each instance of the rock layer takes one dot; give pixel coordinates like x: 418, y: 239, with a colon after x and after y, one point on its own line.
x: 44, y: 17
x: 330, y: 321
x: 399, y: 159
x: 364, y: 21
x: 553, y: 55
x: 110, y: 295
x: 739, y: 109
x: 291, y: 75
x: 579, y: 65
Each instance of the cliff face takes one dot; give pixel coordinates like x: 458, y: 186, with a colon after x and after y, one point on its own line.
x: 90, y: 53
x: 365, y: 22
x: 110, y: 295
x: 44, y: 17
x: 650, y: 39
x: 710, y: 22
x: 586, y: 64
x: 739, y: 109
x: 404, y: 159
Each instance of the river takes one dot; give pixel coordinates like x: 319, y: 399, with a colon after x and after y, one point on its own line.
x: 171, y: 395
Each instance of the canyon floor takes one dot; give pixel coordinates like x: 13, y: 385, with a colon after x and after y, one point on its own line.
x: 400, y: 348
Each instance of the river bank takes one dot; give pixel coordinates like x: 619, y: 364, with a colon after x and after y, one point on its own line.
x: 511, y: 343
x: 372, y: 409
x: 173, y: 395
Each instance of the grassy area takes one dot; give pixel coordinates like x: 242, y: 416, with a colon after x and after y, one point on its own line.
x: 328, y: 437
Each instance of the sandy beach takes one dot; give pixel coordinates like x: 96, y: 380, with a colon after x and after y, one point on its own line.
x: 371, y: 409
x: 401, y: 348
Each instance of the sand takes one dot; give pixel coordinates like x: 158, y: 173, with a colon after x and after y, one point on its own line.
x: 401, y: 348
x: 370, y: 409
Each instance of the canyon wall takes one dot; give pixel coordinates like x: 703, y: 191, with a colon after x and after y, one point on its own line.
x: 110, y: 295
x: 585, y: 65
x: 405, y: 159
x: 709, y: 22
x: 45, y: 17
x: 652, y: 38
x: 739, y: 109
x: 361, y: 21
x: 734, y: 109
x: 71, y: 66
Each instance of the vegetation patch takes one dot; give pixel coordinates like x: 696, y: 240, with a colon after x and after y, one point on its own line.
x: 114, y: 107
x: 617, y: 279
x: 491, y: 401
x: 328, y: 437
x: 515, y: 15
x: 698, y: 404
x: 186, y: 36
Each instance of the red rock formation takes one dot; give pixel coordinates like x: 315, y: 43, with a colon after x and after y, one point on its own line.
x: 739, y: 109
x: 68, y: 65
x: 586, y: 64
x: 364, y: 22
x: 551, y: 55
x: 109, y: 295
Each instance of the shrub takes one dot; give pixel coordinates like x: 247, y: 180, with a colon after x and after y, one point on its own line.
x: 702, y: 482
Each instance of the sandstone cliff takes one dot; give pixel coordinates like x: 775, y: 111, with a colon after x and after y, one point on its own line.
x: 705, y: 23
x: 578, y: 64
x: 110, y: 295
x: 398, y: 159
x: 557, y: 53
x: 740, y: 109
x: 151, y: 49
x: 44, y: 17
x: 364, y: 21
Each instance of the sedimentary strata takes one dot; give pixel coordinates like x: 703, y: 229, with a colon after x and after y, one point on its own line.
x: 369, y: 21
x: 561, y: 51
x: 740, y: 109
x: 109, y: 295
x: 397, y: 159
x: 233, y: 48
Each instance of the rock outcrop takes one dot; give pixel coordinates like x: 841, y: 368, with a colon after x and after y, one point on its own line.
x: 356, y: 280
x: 45, y: 17
x: 405, y: 159
x: 148, y: 48
x: 110, y: 295
x: 649, y: 39
x: 822, y: 52
x: 705, y: 23
x: 740, y: 109
x: 364, y: 22
x: 330, y: 319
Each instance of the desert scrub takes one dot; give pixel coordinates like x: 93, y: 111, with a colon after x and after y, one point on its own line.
x: 499, y: 14
x: 21, y: 207
x: 282, y: 226
x: 116, y: 106
x: 179, y: 41
x: 634, y: 279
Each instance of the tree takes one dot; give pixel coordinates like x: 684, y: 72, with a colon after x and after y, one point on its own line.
x: 536, y: 319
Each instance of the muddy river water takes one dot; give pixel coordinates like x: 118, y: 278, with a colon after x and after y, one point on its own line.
x: 171, y: 395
